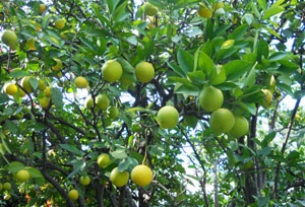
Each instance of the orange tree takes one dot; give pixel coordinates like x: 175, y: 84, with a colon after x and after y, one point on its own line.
x: 157, y: 103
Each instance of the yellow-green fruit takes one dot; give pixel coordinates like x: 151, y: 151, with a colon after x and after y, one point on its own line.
x: 85, y: 180
x: 58, y: 65
x: 150, y: 9
x: 60, y: 23
x: 30, y: 43
x: 73, y: 194
x: 25, y: 83
x: 102, y: 101
x: 267, y: 97
x: 89, y: 103
x: 42, y: 8
x: 11, y: 89
x: 103, y: 160
x: 210, y: 98
x: 205, y: 12
x: 23, y: 175
x: 1, y: 186
x: 44, y: 102
x: 168, y: 117
x: 9, y: 38
x: 47, y: 91
x: 7, y: 186
x: 41, y: 85
x: 222, y: 120
x: 272, y: 82
x: 240, y: 127
x: 7, y: 197
x: 113, y: 112
x: 112, y: 71
x: 145, y: 72
x: 141, y: 175
x: 218, y: 5
x: 118, y: 178
x: 81, y: 82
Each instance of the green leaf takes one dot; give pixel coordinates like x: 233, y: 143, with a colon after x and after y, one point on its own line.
x: 18, y: 74
x: 236, y: 68
x: 119, y: 154
x: 239, y: 32
x: 262, y: 49
x: 127, y: 164
x: 34, y: 83
x: 120, y: 13
x: 205, y: 63
x: 112, y: 4
x: 185, y: 60
x: 72, y: 148
x: 126, y: 65
x: 57, y: 97
x: 250, y: 79
x: 186, y: 90
x: 197, y: 77
x: 15, y: 166
x: 262, y: 3
x: 34, y: 172
x: 273, y: 10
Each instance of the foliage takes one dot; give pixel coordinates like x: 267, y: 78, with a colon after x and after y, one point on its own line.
x: 243, y: 48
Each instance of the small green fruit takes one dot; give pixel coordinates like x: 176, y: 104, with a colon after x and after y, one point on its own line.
x: 102, y: 101
x: 222, y: 120
x: 112, y: 71
x: 210, y: 98
x: 118, y: 178
x: 168, y: 117
x: 103, y: 160
x: 240, y: 127
x: 85, y: 180
x: 145, y: 72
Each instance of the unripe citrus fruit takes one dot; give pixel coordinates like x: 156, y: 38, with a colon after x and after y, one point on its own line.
x: 113, y: 112
x: 222, y: 120
x: 168, y: 117
x: 11, y: 89
x: 30, y: 44
x: 44, y: 102
x: 103, y: 160
x: 85, y: 180
x: 240, y: 127
x: 81, y: 82
x: 47, y: 91
x: 141, y: 175
x: 267, y: 97
x: 7, y: 197
x: 41, y: 84
x: 205, y: 12
x: 42, y: 8
x: 145, y: 72
x: 118, y: 178
x: 20, y: 93
x: 7, y: 186
x: 25, y: 83
x: 9, y: 38
x: 58, y: 65
x: 102, y: 101
x: 112, y: 71
x: 210, y: 98
x: 73, y: 194
x: 218, y: 5
x: 89, y: 103
x: 60, y: 23
x: 150, y: 9
x: 23, y: 175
